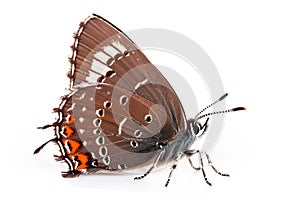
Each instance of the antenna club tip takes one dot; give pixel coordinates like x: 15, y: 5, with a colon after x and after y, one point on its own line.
x: 239, y: 108
x: 223, y: 97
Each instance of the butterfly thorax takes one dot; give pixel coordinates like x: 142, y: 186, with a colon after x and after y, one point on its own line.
x: 181, y: 143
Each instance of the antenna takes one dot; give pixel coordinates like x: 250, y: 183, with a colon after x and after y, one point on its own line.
x: 219, y: 112
x: 199, y: 116
x: 210, y: 105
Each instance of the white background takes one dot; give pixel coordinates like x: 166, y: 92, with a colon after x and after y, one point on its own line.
x: 255, y: 46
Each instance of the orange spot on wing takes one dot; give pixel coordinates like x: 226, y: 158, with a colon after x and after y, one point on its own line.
x: 72, y: 119
x: 68, y: 131
x: 71, y: 145
x: 80, y: 160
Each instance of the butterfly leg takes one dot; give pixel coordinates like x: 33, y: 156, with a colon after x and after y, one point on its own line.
x: 202, y: 168
x: 211, y: 165
x: 172, y: 169
x: 151, y: 168
x: 189, y: 153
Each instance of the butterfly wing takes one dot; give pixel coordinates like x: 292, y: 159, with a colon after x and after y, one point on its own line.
x: 121, y: 110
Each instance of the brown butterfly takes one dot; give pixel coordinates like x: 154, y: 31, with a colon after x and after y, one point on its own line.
x: 121, y: 113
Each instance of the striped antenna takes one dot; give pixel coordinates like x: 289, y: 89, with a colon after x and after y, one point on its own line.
x: 220, y: 112
x: 220, y: 99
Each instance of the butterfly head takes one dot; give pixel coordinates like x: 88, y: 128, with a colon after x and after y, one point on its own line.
x: 196, y: 129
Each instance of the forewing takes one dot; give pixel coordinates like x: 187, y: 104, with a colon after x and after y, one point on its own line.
x: 104, y: 54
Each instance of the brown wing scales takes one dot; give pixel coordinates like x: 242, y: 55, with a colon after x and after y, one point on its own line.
x: 121, y: 110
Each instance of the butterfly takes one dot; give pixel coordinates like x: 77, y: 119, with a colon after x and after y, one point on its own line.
x: 121, y: 114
